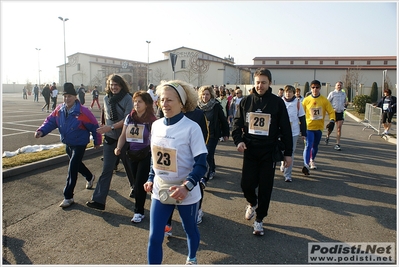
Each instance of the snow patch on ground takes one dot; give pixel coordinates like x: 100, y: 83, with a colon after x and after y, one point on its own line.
x: 30, y: 149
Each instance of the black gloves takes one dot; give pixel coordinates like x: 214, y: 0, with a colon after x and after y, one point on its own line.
x: 330, y: 126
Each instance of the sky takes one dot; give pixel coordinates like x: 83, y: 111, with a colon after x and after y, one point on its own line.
x: 239, y: 29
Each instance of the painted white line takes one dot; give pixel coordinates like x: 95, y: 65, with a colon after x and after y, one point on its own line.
x: 23, y: 131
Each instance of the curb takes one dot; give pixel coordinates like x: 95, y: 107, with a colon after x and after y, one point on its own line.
x: 42, y: 163
x: 390, y: 139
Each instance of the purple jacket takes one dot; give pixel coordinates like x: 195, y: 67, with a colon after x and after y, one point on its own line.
x: 75, y: 128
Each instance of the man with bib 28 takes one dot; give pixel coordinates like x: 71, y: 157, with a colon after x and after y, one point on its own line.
x: 261, y: 120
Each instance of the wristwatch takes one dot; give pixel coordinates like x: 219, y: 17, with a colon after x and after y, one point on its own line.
x: 112, y: 127
x: 189, y: 185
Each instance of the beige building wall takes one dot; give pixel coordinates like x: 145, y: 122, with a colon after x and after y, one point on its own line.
x: 91, y: 70
x: 198, y: 68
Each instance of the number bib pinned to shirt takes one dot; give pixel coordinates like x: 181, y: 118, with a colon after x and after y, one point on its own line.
x: 316, y: 113
x: 134, y: 133
x: 164, y: 161
x: 258, y: 123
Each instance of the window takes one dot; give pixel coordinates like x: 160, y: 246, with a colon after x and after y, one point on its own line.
x: 321, y: 62
x: 291, y: 62
x: 368, y: 62
x: 352, y: 62
x: 385, y: 62
x: 183, y: 64
x: 105, y: 60
x: 336, y: 62
x: 263, y: 62
x: 78, y: 66
x: 306, y: 62
x: 277, y: 62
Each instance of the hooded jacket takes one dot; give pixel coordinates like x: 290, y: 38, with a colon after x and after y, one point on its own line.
x: 280, y: 126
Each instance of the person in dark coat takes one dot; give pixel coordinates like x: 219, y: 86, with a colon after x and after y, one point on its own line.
x: 388, y: 105
x: 46, y: 93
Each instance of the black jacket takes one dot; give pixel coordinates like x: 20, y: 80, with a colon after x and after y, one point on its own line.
x: 392, y: 105
x: 279, y: 126
x: 218, y: 126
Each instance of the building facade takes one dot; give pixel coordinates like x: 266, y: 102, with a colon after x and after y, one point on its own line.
x: 200, y: 68
x: 197, y: 68
x: 91, y: 70
x: 359, y: 73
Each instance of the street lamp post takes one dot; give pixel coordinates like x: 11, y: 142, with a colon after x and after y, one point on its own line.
x: 38, y: 62
x: 148, y: 62
x: 63, y: 22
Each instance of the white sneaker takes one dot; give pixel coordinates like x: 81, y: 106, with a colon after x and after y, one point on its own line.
x: 282, y: 167
x: 312, y: 165
x: 137, y: 218
x: 199, y: 216
x: 258, y: 228
x: 89, y: 184
x: 67, y: 202
x: 249, y: 212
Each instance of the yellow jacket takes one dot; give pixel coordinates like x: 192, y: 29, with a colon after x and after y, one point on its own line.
x: 316, y: 109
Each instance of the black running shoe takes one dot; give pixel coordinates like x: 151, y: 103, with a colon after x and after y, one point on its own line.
x: 326, y: 141
x: 305, y: 170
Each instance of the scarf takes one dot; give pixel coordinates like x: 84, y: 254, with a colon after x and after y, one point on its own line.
x: 289, y: 100
x: 113, y: 100
x: 207, y: 106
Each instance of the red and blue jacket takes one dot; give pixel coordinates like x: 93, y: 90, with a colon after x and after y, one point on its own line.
x: 74, y: 127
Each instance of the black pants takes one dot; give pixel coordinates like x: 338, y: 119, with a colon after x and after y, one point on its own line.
x: 258, y: 172
x: 140, y: 170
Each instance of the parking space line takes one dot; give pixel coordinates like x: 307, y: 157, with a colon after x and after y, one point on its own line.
x: 22, y: 132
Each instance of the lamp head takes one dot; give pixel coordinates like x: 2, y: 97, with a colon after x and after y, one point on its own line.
x: 60, y: 18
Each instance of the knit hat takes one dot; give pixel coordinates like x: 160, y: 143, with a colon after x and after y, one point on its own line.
x: 69, y: 89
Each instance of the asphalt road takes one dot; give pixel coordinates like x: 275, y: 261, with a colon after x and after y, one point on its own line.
x: 351, y: 197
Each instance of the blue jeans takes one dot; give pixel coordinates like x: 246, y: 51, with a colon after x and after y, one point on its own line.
x: 75, y: 154
x: 104, y: 181
x: 159, y: 214
x: 312, y: 145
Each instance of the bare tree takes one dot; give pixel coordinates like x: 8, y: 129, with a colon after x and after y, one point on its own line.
x: 28, y: 86
x: 159, y: 75
x: 245, y: 77
x: 388, y: 83
x: 352, y: 78
x: 189, y: 74
x: 199, y: 67
x: 234, y: 78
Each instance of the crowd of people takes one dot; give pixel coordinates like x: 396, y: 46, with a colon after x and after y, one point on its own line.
x: 144, y: 131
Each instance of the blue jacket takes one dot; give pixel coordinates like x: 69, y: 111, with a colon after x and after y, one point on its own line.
x: 75, y: 128
x: 392, y: 104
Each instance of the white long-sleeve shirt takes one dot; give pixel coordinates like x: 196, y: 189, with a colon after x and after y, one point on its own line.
x: 338, y: 100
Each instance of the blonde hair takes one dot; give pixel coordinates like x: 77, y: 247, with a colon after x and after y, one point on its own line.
x: 191, y: 101
x: 204, y: 88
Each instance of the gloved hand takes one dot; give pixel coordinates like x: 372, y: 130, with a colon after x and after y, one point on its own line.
x: 330, y: 126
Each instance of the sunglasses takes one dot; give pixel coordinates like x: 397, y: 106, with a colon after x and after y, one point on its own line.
x: 315, y: 87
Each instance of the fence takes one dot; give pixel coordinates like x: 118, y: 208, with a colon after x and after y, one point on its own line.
x: 372, y: 119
